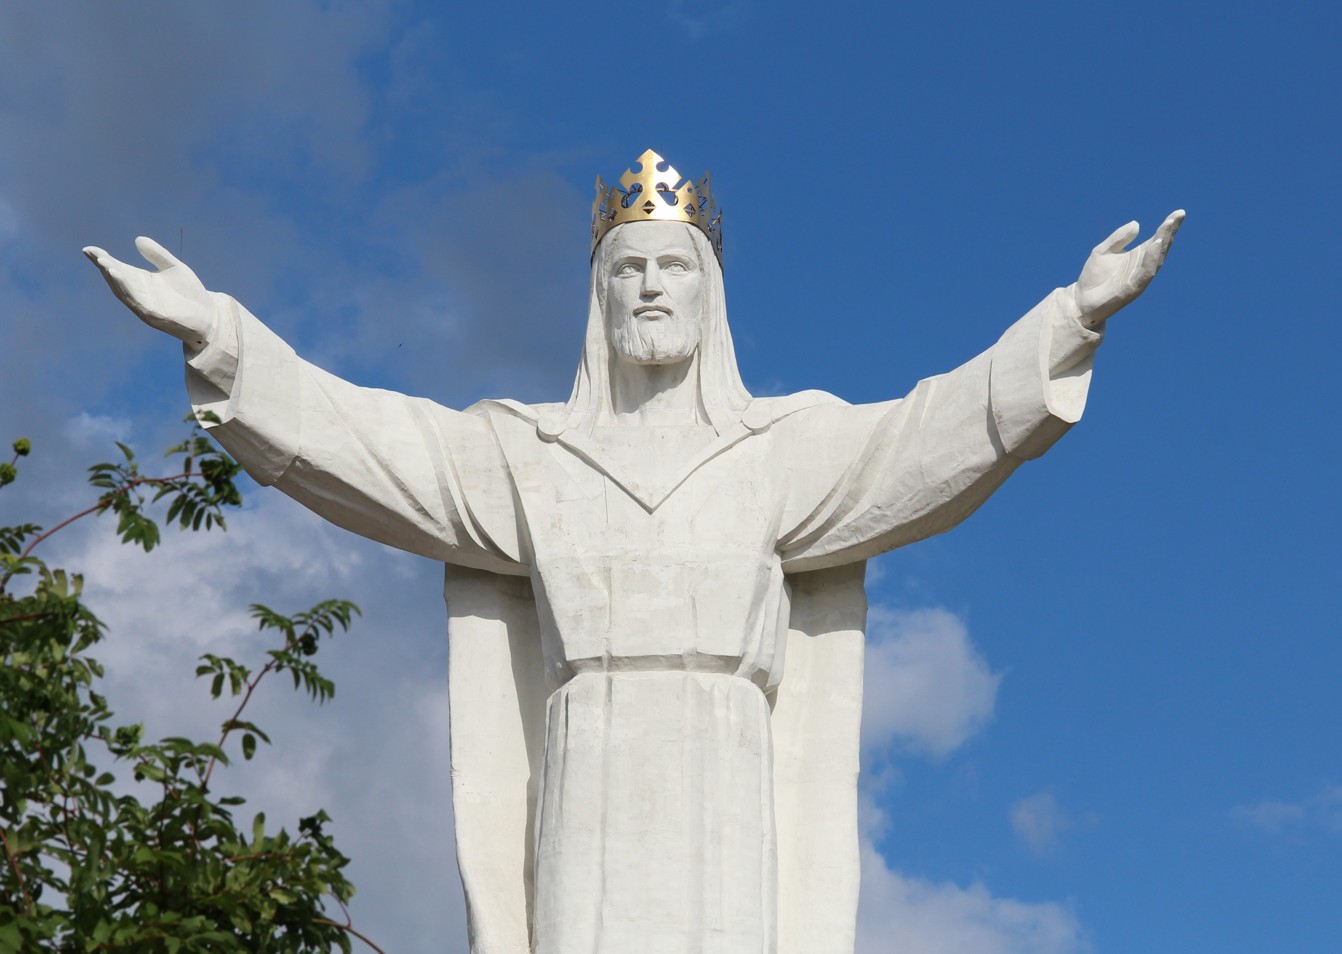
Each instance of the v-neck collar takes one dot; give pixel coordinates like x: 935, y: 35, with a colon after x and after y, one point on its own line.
x: 649, y: 494
x: 757, y: 418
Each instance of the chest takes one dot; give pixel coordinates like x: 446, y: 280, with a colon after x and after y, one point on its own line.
x: 649, y: 493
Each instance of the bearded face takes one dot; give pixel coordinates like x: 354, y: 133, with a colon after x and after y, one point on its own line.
x: 652, y: 285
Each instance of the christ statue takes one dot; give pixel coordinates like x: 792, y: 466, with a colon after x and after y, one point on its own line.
x: 654, y: 589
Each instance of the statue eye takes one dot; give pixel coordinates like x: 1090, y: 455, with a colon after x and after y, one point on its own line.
x: 676, y: 268
x: 627, y: 269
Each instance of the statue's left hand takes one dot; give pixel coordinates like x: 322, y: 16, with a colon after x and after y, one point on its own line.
x: 1113, y: 277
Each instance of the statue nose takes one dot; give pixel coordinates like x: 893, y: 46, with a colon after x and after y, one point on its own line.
x: 652, y: 280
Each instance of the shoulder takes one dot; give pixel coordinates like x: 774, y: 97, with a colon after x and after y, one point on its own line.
x: 799, y: 401
x: 507, y: 408
x: 817, y: 422
x: 763, y: 412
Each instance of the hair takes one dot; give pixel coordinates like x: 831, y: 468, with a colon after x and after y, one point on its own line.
x: 722, y: 395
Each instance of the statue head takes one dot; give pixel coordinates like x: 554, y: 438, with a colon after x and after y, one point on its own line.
x: 697, y: 329
x: 652, y: 278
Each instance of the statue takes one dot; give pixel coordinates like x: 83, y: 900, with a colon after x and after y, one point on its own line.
x: 655, y: 589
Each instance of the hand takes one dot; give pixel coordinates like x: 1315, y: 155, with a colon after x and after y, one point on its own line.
x: 171, y: 299
x: 1112, y: 277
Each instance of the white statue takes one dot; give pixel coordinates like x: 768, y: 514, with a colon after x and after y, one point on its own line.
x: 654, y: 590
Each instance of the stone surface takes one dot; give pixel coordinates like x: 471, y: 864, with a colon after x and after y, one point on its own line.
x: 654, y: 589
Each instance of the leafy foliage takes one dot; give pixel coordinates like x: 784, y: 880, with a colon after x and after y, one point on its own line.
x: 90, y: 865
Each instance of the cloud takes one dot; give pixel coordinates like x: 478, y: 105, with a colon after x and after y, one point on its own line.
x: 900, y: 913
x: 1040, y: 822
x: 700, y: 18
x: 926, y: 689
x: 270, y: 164
x: 197, y: 122
x: 87, y: 430
x: 1320, y: 811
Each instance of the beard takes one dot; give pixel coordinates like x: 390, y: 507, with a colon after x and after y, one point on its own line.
x: 653, y: 342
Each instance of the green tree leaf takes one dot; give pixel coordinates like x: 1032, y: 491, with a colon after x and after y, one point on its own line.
x: 86, y: 869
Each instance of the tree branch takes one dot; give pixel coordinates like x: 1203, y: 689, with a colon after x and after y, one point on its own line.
x: 349, y: 929
x: 18, y: 873
x: 103, y: 503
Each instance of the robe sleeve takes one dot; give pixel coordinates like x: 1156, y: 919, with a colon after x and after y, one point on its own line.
x: 863, y: 480
x: 816, y: 721
x: 497, y: 699
x: 400, y: 470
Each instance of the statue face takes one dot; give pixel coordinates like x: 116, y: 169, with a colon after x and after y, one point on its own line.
x: 652, y: 293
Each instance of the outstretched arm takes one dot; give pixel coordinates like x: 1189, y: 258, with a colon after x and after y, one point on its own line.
x: 400, y: 470
x: 867, y: 479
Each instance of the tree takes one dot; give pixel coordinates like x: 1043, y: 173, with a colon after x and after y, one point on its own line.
x: 165, y: 868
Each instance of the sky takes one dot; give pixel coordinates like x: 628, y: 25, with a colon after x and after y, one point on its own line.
x: 1101, y: 715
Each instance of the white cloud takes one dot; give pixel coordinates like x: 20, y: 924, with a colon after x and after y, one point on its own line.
x: 87, y: 430
x: 1322, y: 810
x: 900, y: 914
x: 926, y: 689
x: 1040, y: 822
x: 879, y: 784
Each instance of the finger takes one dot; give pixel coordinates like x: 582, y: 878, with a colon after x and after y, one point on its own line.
x: 1119, y: 238
x: 99, y: 257
x: 155, y: 254
x: 1157, y: 246
x: 1165, y: 234
x: 116, y: 272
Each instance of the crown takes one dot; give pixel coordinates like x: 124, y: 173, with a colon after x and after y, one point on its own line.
x: 656, y: 193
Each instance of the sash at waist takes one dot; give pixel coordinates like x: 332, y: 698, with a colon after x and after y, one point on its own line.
x: 692, y: 662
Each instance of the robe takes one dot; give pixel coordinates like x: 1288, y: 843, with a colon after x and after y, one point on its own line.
x: 655, y: 659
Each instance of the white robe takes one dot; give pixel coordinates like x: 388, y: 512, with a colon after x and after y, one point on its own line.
x: 637, y: 762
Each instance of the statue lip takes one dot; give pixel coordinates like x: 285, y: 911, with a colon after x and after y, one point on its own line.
x: 659, y: 309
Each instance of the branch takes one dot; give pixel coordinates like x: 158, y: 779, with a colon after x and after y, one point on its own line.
x: 26, y: 617
x: 289, y: 645
x: 246, y: 698
x: 103, y: 503
x: 18, y: 873
x: 348, y: 927
x: 63, y: 779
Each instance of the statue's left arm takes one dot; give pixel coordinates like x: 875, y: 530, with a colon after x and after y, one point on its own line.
x: 864, y: 480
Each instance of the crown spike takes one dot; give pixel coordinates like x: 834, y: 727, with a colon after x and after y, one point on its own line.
x: 656, y: 192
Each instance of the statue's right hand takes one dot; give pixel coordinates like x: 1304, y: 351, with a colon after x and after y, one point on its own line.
x: 171, y: 299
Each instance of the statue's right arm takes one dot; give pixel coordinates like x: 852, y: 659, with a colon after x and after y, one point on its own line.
x: 400, y: 470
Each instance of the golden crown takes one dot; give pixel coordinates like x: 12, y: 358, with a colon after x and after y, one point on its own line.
x: 656, y: 193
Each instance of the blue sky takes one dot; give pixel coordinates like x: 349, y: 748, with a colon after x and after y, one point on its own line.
x: 1117, y: 725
